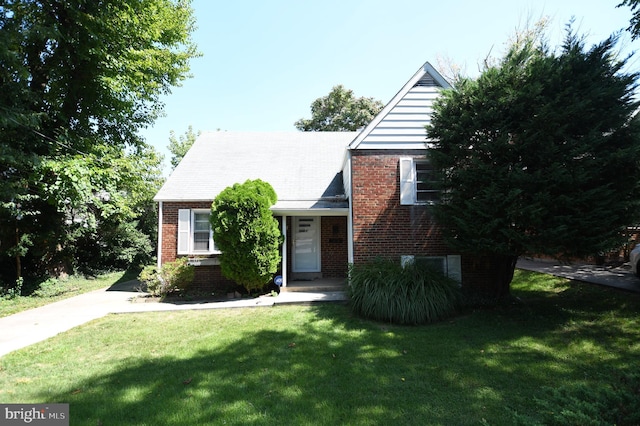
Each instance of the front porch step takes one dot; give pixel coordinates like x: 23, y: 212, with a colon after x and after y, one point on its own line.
x: 322, y: 285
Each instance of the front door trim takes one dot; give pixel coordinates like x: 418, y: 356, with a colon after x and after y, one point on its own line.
x: 306, y: 244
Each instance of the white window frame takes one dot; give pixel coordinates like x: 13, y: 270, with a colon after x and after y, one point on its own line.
x: 186, y: 231
x: 451, y: 264
x: 409, y: 181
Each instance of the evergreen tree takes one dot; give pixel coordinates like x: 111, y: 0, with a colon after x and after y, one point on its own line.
x: 634, y: 22
x: 539, y: 155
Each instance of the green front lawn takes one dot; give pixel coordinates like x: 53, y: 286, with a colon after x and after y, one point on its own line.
x: 56, y: 289
x: 321, y: 365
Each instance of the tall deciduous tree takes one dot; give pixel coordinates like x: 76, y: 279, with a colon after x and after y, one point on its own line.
x: 106, y: 202
x: 246, y: 233
x: 538, y: 156
x: 339, y: 111
x: 77, y: 79
x: 179, y: 145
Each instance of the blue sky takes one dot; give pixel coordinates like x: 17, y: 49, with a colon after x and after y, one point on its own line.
x: 265, y: 61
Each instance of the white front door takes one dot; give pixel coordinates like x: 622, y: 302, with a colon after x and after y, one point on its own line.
x: 306, y: 244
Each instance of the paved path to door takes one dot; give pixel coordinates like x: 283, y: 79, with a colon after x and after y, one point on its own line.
x: 28, y: 327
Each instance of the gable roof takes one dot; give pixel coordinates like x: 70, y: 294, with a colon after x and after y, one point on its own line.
x: 401, y: 123
x: 304, y: 168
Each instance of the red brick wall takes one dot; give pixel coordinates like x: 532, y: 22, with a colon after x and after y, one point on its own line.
x: 333, y: 247
x: 207, y: 278
x: 381, y: 226
x: 210, y: 278
x: 170, y: 226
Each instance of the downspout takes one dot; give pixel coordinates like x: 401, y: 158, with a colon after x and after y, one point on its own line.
x: 159, y: 234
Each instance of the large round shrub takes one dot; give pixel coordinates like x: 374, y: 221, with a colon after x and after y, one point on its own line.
x: 414, y: 294
x: 246, y: 233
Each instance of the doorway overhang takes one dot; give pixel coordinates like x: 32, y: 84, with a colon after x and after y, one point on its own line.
x: 310, y: 212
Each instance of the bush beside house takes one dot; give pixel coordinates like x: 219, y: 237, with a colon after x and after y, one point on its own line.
x: 171, y: 277
x: 412, y: 293
x: 246, y: 233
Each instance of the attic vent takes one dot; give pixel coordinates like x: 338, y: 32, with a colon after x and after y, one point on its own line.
x: 427, y: 81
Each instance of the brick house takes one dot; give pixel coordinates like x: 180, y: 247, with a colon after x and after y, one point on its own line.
x: 343, y: 197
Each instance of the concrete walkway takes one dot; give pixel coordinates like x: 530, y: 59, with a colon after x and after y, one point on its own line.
x: 28, y: 327
x: 620, y: 277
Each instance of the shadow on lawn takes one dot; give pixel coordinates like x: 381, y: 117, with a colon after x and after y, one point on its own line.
x: 337, y: 369
x: 128, y: 282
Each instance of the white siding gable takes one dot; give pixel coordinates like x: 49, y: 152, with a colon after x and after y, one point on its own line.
x: 401, y: 123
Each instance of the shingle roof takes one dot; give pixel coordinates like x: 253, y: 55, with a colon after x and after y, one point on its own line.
x: 302, y: 167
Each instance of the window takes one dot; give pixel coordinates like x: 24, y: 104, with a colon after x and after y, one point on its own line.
x: 425, y: 183
x: 450, y: 265
x: 201, y: 231
x: 194, y: 232
x: 417, y: 182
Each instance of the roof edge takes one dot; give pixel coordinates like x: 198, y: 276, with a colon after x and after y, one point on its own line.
x: 426, y: 68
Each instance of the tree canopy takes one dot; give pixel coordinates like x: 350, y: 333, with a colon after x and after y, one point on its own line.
x: 339, y: 111
x: 179, y: 145
x: 78, y: 80
x: 634, y: 22
x: 539, y: 155
x: 246, y: 233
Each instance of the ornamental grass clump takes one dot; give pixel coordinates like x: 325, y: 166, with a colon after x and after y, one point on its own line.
x: 384, y: 290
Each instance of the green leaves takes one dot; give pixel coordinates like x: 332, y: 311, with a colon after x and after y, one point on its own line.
x: 246, y: 232
x: 414, y: 294
x: 532, y: 153
x: 634, y: 22
x: 105, y: 204
x: 78, y: 80
x: 339, y: 111
x: 181, y: 144
x: 171, y: 277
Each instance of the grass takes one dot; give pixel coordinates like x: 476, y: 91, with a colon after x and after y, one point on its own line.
x: 322, y: 365
x: 53, y: 290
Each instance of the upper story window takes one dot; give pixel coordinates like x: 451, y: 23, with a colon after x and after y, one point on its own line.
x: 417, y: 182
x: 195, y: 235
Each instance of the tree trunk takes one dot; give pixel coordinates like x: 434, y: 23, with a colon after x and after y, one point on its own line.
x: 489, y: 277
x: 18, y: 260
x: 505, y: 266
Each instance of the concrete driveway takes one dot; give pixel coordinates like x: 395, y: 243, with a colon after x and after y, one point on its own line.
x: 619, y: 277
x: 28, y: 327
x: 35, y: 325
